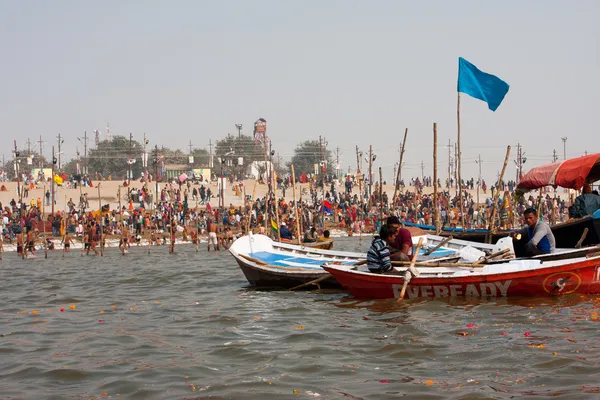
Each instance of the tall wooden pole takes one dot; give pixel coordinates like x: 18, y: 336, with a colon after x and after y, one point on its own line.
x: 436, y: 209
x: 119, y: 196
x: 101, y: 222
x: 380, y: 196
x: 66, y: 224
x: 44, y: 226
x: 370, y: 173
x: 398, y: 173
x: 276, y: 205
x: 52, y: 182
x: 459, y: 177
x: 296, y: 206
x: 492, y: 226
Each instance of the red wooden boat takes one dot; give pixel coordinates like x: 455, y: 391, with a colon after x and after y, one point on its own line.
x: 526, y: 277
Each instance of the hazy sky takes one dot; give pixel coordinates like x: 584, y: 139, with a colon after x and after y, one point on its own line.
x: 356, y: 72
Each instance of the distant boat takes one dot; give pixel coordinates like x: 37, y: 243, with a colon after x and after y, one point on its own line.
x: 567, y: 234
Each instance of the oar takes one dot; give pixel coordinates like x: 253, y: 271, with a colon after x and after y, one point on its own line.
x: 580, y: 241
x: 412, y: 265
x: 312, y: 282
x: 254, y: 260
x: 493, y: 255
x: 434, y: 264
x: 443, y: 242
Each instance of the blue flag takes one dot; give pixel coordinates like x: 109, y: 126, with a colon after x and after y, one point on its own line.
x: 482, y: 86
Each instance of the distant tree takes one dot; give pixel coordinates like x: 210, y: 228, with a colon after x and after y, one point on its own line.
x: 111, y: 158
x: 24, y: 167
x: 235, y: 147
x: 306, y: 155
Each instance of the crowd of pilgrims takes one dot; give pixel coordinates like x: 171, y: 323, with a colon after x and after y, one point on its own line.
x: 179, y: 210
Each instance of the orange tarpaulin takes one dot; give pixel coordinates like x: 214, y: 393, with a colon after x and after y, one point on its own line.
x: 571, y: 174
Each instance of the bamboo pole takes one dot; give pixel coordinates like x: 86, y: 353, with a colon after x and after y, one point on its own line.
x: 437, y: 264
x: 493, y: 255
x: 296, y: 208
x: 24, y: 238
x: 492, y: 227
x: 172, y: 245
x: 101, y: 222
x: 83, y: 233
x: 251, y: 207
x: 398, y: 174
x: 64, y: 237
x: 436, y: 209
x: 540, y: 207
x: 43, y: 226
x: 459, y: 178
x: 370, y: 176
x: 313, y: 282
x: 411, y: 266
x: 440, y: 244
x: 276, y: 205
x: 380, y: 196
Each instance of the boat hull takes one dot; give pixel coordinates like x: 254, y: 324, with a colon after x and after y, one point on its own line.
x: 582, y: 277
x: 567, y: 234
x: 260, y: 276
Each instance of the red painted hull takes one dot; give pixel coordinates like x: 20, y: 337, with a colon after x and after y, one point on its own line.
x: 581, y: 277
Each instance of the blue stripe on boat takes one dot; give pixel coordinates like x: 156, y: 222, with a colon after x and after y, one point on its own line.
x: 283, y: 260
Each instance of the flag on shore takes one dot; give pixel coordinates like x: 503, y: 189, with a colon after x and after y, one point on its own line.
x: 327, y: 207
x: 481, y: 85
x: 274, y: 226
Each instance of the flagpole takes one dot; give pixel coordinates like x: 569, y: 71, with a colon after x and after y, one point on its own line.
x: 436, y: 208
x: 459, y: 178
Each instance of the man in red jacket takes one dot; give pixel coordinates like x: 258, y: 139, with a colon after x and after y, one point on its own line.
x: 402, y: 245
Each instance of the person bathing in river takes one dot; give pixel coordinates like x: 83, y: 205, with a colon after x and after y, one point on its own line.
x: 67, y: 240
x: 378, y: 257
x: 212, y: 235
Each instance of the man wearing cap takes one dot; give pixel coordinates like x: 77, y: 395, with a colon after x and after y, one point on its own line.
x: 284, y: 232
x: 401, y: 245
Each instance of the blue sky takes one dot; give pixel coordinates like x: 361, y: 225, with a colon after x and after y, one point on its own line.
x: 356, y: 72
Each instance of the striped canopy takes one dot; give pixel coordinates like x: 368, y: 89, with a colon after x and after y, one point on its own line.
x: 571, y: 174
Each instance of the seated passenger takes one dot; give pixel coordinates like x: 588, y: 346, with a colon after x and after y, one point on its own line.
x: 378, y: 257
x: 539, y: 236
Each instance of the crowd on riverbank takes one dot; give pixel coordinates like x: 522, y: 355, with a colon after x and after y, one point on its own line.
x: 184, y: 210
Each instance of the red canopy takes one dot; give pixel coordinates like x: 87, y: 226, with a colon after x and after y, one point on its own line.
x: 570, y: 174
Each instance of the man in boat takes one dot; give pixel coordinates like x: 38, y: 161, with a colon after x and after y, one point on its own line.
x: 539, y: 236
x: 378, y: 257
x: 585, y: 204
x: 284, y: 232
x: 311, y: 235
x: 402, y: 245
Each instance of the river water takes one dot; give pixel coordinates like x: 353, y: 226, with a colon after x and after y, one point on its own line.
x: 186, y: 326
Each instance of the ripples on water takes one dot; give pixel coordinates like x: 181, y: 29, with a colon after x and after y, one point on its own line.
x: 185, y: 326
